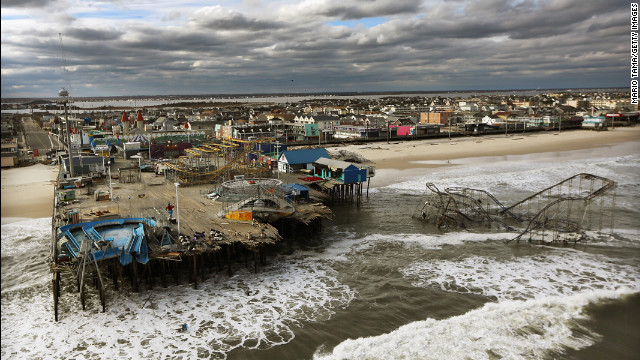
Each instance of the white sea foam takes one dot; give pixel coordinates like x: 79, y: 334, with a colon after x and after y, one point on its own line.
x: 525, y: 175
x: 556, y: 272
x: 254, y: 311
x: 24, y: 247
x: 348, y: 243
x: 520, y: 329
x: 433, y: 242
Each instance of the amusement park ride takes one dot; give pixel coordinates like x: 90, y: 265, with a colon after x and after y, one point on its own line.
x: 204, y: 164
x: 560, y: 213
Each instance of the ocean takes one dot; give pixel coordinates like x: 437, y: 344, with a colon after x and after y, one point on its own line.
x: 375, y: 284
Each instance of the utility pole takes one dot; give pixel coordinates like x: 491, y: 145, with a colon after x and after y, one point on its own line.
x: 64, y: 95
x: 110, y: 186
x: 560, y: 123
x: 177, y: 206
x: 277, y: 158
x: 388, y: 131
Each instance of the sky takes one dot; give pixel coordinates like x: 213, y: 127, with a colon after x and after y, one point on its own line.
x: 163, y: 47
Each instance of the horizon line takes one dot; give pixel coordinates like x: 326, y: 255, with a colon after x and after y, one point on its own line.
x: 340, y: 93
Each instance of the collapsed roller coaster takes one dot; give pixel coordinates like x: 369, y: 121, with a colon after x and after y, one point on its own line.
x: 560, y: 213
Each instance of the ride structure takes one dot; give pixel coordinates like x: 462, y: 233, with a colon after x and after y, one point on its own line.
x: 559, y: 213
x: 208, y: 162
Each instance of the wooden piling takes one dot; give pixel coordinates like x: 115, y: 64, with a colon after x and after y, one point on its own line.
x: 56, y: 293
x: 103, y: 298
x: 176, y: 272
x: 229, y: 260
x: 134, y: 279
x: 163, y: 277
x: 255, y: 260
x: 195, y: 271
x: 83, y: 298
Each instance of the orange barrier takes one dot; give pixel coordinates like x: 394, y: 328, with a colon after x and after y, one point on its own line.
x: 239, y: 215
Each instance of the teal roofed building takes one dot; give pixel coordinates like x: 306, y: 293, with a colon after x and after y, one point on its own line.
x: 340, y: 171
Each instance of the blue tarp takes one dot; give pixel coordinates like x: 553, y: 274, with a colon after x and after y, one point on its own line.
x: 296, y: 190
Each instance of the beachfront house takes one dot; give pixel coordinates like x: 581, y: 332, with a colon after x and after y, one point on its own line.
x: 300, y: 160
x: 340, y: 171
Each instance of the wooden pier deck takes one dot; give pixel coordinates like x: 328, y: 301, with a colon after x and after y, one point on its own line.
x: 146, y: 197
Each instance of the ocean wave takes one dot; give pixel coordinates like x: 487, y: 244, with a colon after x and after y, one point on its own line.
x: 251, y: 311
x: 515, y: 329
x: 555, y: 272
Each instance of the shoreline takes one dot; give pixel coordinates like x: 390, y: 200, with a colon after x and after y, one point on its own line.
x: 399, y: 160
x: 27, y: 192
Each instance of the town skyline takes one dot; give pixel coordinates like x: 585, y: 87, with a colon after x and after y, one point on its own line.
x: 278, y: 47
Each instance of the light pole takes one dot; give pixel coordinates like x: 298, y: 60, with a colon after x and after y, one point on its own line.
x: 278, y: 158
x: 64, y: 94
x: 388, y: 131
x: 110, y: 186
x: 559, y: 122
x: 177, y: 206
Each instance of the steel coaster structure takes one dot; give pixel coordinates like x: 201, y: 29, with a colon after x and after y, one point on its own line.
x: 206, y: 163
x: 255, y: 197
x: 559, y: 213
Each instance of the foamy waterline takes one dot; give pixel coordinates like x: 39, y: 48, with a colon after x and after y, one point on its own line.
x: 252, y: 311
x: 556, y: 272
x: 513, y: 329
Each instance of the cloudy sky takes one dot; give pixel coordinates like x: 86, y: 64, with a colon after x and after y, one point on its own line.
x: 155, y: 47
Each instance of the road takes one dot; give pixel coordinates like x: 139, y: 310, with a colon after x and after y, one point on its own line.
x: 36, y: 138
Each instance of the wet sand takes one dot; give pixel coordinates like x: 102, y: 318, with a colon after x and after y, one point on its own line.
x: 399, y: 160
x: 27, y: 192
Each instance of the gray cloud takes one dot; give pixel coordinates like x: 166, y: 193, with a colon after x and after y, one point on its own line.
x: 26, y: 3
x: 422, y: 46
x: 358, y: 9
x: 218, y: 18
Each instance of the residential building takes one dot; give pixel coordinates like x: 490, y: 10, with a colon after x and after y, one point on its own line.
x: 296, y: 160
x: 440, y: 117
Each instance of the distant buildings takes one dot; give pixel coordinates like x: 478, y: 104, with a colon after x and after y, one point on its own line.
x: 320, y: 120
x: 10, y: 156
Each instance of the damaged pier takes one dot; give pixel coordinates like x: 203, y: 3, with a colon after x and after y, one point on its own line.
x: 130, y: 240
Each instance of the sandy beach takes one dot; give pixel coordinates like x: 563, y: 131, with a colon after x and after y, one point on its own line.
x: 27, y: 192
x: 398, y: 160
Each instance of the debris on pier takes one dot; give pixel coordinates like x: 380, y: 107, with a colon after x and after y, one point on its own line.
x: 130, y: 236
x: 560, y: 213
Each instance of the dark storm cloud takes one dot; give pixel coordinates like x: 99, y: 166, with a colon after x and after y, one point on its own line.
x: 26, y: 3
x: 217, y: 18
x: 94, y: 34
x: 430, y: 45
x: 359, y: 9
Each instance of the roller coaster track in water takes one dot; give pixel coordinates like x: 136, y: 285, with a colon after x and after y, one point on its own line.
x: 559, y: 213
